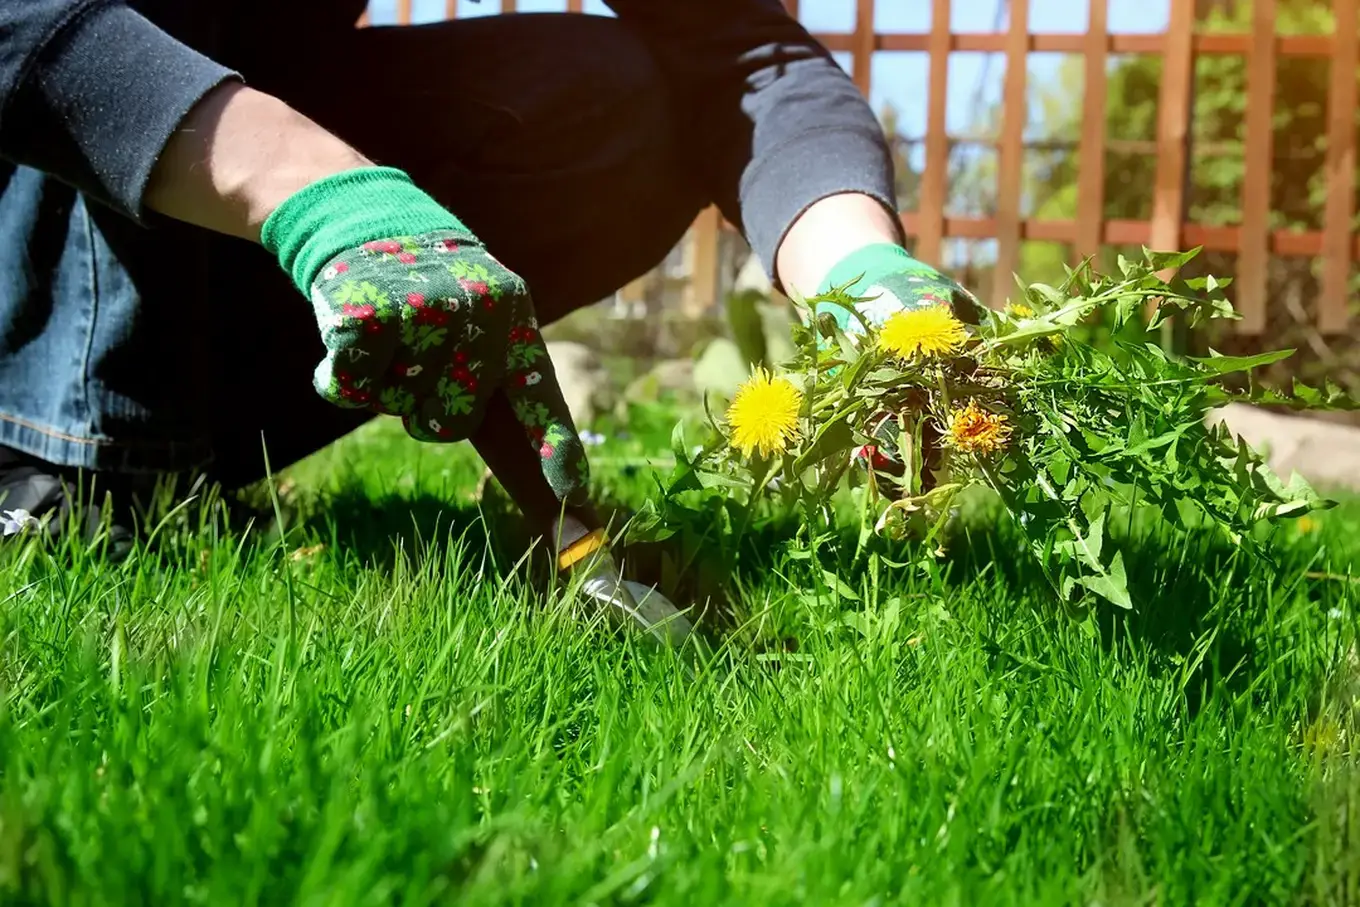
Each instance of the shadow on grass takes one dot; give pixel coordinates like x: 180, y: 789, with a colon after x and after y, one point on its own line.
x: 1194, y: 595
x: 377, y: 530
x: 1185, y: 586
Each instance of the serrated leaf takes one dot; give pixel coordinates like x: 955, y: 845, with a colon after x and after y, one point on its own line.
x: 1094, y: 541
x: 678, y: 446
x: 1224, y: 365
x: 1169, y: 261
x: 833, y: 436
x: 839, y: 585
x: 1112, y: 585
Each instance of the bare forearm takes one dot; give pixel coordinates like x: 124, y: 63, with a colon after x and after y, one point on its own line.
x: 237, y: 156
x: 826, y: 233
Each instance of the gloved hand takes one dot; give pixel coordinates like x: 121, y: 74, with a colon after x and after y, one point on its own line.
x: 418, y: 319
x: 896, y: 282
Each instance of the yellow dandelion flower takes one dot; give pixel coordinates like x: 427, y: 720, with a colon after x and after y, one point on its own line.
x: 1020, y: 310
x: 1307, y: 524
x: 764, y: 414
x: 930, y: 331
x: 974, y: 430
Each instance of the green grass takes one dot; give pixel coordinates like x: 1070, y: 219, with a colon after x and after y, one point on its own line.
x: 404, y: 716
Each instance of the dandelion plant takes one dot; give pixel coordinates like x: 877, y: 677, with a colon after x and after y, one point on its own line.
x: 1064, y: 433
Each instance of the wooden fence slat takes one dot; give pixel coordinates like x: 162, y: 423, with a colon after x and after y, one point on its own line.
x: 450, y: 9
x: 1011, y: 155
x: 575, y: 6
x: 792, y: 7
x: 1091, y: 156
x: 1173, y: 128
x: 1253, y: 258
x: 1075, y: 43
x: 704, y: 276
x: 1337, y: 235
x: 930, y: 236
x: 404, y: 12
x: 1282, y: 243
x: 863, y: 60
x: 509, y: 6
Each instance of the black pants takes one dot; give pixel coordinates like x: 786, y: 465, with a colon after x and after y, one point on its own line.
x: 549, y: 135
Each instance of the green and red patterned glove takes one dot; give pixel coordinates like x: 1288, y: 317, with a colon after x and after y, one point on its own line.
x: 418, y: 319
x: 891, y: 281
x: 895, y: 281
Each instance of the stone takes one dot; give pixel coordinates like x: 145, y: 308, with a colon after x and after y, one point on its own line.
x: 720, y: 368
x: 669, y: 377
x: 752, y: 277
x: 777, y: 316
x: 1327, y: 454
x: 583, y: 378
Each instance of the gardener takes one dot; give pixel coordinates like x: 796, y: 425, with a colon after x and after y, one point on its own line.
x: 243, y: 221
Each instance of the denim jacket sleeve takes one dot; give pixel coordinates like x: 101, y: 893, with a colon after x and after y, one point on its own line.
x: 91, y: 90
x: 783, y: 126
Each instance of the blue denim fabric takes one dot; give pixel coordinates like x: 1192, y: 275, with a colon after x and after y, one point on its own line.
x: 80, y: 381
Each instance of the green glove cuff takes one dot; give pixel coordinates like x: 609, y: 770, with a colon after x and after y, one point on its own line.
x: 871, y: 263
x: 344, y: 211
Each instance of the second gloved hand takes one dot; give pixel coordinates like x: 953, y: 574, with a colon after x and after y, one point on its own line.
x: 418, y: 319
x: 889, y: 280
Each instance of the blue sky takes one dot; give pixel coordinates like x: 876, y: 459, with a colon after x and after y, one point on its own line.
x: 898, y: 78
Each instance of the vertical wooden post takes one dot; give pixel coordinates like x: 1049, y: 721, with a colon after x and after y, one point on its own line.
x: 930, y: 232
x: 1011, y: 154
x: 1337, y: 241
x: 363, y: 19
x: 1091, y: 153
x: 575, y: 6
x: 509, y: 6
x: 635, y: 290
x: 1173, y: 128
x: 404, y: 12
x: 704, y: 270
x: 862, y: 67
x: 450, y: 9
x: 1253, y: 249
x: 792, y: 7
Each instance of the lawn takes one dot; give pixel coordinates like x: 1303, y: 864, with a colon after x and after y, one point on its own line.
x: 382, y: 706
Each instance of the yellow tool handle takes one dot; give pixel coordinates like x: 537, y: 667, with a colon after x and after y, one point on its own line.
x: 582, y: 548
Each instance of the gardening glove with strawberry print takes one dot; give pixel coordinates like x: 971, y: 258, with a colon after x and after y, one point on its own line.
x: 889, y: 280
x: 418, y: 319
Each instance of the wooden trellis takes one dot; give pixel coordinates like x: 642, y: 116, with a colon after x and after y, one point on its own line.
x: 1336, y: 244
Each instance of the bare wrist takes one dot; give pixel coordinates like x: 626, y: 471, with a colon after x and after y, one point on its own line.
x: 826, y: 233
x: 237, y: 156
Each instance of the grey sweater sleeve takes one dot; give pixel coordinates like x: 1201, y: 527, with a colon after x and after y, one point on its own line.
x: 90, y: 92
x: 781, y: 125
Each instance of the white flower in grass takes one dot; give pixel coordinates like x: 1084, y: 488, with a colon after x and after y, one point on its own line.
x: 13, y: 522
x: 591, y: 439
